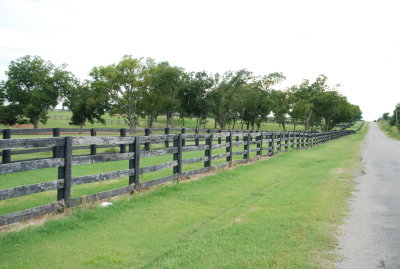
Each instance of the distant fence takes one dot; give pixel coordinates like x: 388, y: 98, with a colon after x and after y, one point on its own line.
x: 132, y: 149
x: 122, y: 122
x: 107, y: 121
x: 361, y: 125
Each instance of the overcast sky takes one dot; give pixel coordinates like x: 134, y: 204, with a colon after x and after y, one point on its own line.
x: 354, y: 43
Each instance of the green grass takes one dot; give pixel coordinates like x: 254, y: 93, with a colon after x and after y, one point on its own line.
x: 391, y: 131
x: 276, y: 213
x: 43, y: 175
x: 356, y: 125
x: 115, y: 122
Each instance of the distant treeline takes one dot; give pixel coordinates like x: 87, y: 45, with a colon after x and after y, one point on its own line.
x: 137, y: 87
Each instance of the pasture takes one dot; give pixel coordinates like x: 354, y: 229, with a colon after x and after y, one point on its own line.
x: 61, y: 119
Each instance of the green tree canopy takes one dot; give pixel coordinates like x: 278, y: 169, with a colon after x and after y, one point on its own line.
x: 124, y: 83
x: 32, y: 88
x: 87, y: 103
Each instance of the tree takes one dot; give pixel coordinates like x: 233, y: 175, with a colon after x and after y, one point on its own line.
x: 124, y: 84
x: 151, y: 103
x: 220, y: 99
x: 168, y: 80
x: 33, y: 87
x: 302, y: 101
x: 192, y: 96
x: 2, y: 93
x: 386, y: 116
x: 87, y: 103
x: 280, y: 106
x: 334, y: 109
x: 395, y: 119
x: 241, y: 89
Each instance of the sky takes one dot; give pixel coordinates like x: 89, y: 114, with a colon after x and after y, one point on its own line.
x: 354, y: 43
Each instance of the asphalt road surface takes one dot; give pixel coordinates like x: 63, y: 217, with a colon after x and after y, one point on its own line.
x: 371, y: 234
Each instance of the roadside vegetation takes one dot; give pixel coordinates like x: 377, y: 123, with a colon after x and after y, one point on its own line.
x: 390, y: 124
x: 276, y: 213
x: 391, y: 131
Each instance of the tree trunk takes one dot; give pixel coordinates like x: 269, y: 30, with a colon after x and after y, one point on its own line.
x: 283, y: 126
x: 169, y: 125
x: 132, y: 124
x: 35, y: 123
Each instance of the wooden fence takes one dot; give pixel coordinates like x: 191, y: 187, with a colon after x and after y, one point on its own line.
x: 132, y: 148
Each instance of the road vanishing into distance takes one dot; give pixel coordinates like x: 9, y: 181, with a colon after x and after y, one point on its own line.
x: 371, y: 234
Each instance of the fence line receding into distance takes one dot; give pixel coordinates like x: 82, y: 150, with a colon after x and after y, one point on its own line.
x: 130, y: 147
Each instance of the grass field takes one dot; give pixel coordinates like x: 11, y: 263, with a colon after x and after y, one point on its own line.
x: 391, y: 131
x: 115, y: 122
x: 356, y: 125
x: 43, y: 175
x: 276, y: 213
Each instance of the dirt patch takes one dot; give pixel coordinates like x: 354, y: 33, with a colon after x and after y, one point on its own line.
x: 23, y: 126
x: 340, y: 170
x: 18, y: 226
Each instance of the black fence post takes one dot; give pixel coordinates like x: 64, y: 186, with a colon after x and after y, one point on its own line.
x: 246, y: 145
x: 147, y: 132
x: 197, y: 140
x: 292, y: 140
x: 135, y: 163
x: 6, y: 154
x: 68, y: 168
x: 271, y: 144
x: 208, y: 152
x: 302, y: 140
x: 65, y: 192
x: 286, y: 134
x: 280, y: 142
x: 183, y: 131
x: 122, y: 147
x: 259, y: 139
x: 305, y: 140
x: 93, y: 146
x: 219, y: 138
x: 56, y: 133
x: 60, y: 153
x: 178, y: 143
x: 166, y: 132
x: 229, y: 148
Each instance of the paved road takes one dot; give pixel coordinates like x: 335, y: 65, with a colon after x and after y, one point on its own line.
x: 372, y: 232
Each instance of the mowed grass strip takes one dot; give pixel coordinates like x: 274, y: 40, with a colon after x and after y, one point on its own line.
x: 277, y: 213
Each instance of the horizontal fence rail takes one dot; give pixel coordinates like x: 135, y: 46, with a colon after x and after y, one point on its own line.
x: 130, y: 147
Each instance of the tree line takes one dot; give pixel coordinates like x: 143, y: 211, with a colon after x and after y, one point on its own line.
x: 394, y: 119
x: 137, y: 87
